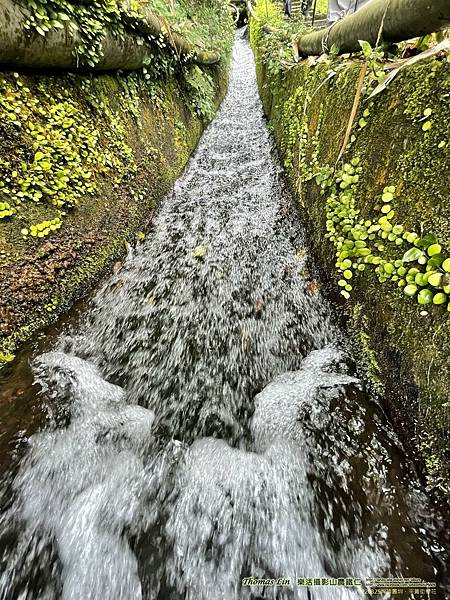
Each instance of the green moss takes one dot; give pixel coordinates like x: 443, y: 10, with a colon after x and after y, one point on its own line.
x: 369, y: 357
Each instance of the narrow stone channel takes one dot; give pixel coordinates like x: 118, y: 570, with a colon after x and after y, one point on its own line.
x: 205, y: 421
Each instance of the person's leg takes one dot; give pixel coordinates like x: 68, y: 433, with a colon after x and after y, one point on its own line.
x: 307, y: 7
x: 335, y: 10
x: 357, y: 4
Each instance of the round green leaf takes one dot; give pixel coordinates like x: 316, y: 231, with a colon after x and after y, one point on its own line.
x: 439, y: 298
x: 446, y: 265
x: 410, y: 289
x: 420, y: 279
x: 435, y: 279
x: 434, y: 249
x: 436, y: 260
x: 425, y: 296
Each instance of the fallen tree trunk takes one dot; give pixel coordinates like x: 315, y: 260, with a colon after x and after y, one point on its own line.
x: 57, y: 49
x: 399, y: 19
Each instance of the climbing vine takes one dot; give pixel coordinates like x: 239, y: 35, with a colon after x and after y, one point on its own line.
x: 90, y: 21
x: 423, y: 270
x: 199, y: 24
x: 415, y: 262
x: 207, y: 22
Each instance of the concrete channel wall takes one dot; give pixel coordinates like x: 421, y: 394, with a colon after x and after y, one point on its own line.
x: 106, y: 148
x: 372, y: 180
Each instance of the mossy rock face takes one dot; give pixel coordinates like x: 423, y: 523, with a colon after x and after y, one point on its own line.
x: 400, y: 140
x: 84, y: 160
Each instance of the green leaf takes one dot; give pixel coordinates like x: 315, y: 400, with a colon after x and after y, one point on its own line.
x: 334, y: 50
x: 410, y: 289
x: 434, y: 249
x: 446, y: 265
x: 411, y: 237
x: 439, y: 298
x: 412, y: 255
x: 421, y: 280
x: 436, y: 260
x: 366, y: 47
x: 425, y: 296
x: 435, y: 279
x: 426, y: 241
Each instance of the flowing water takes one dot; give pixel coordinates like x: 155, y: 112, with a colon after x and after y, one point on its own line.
x: 204, y: 421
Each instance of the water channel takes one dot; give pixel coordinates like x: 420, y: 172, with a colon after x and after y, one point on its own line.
x: 201, y: 420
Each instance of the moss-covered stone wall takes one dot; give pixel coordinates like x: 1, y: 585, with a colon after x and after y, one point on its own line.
x: 385, y: 197
x: 83, y: 162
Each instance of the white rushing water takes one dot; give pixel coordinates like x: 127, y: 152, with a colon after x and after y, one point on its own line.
x: 206, y: 422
